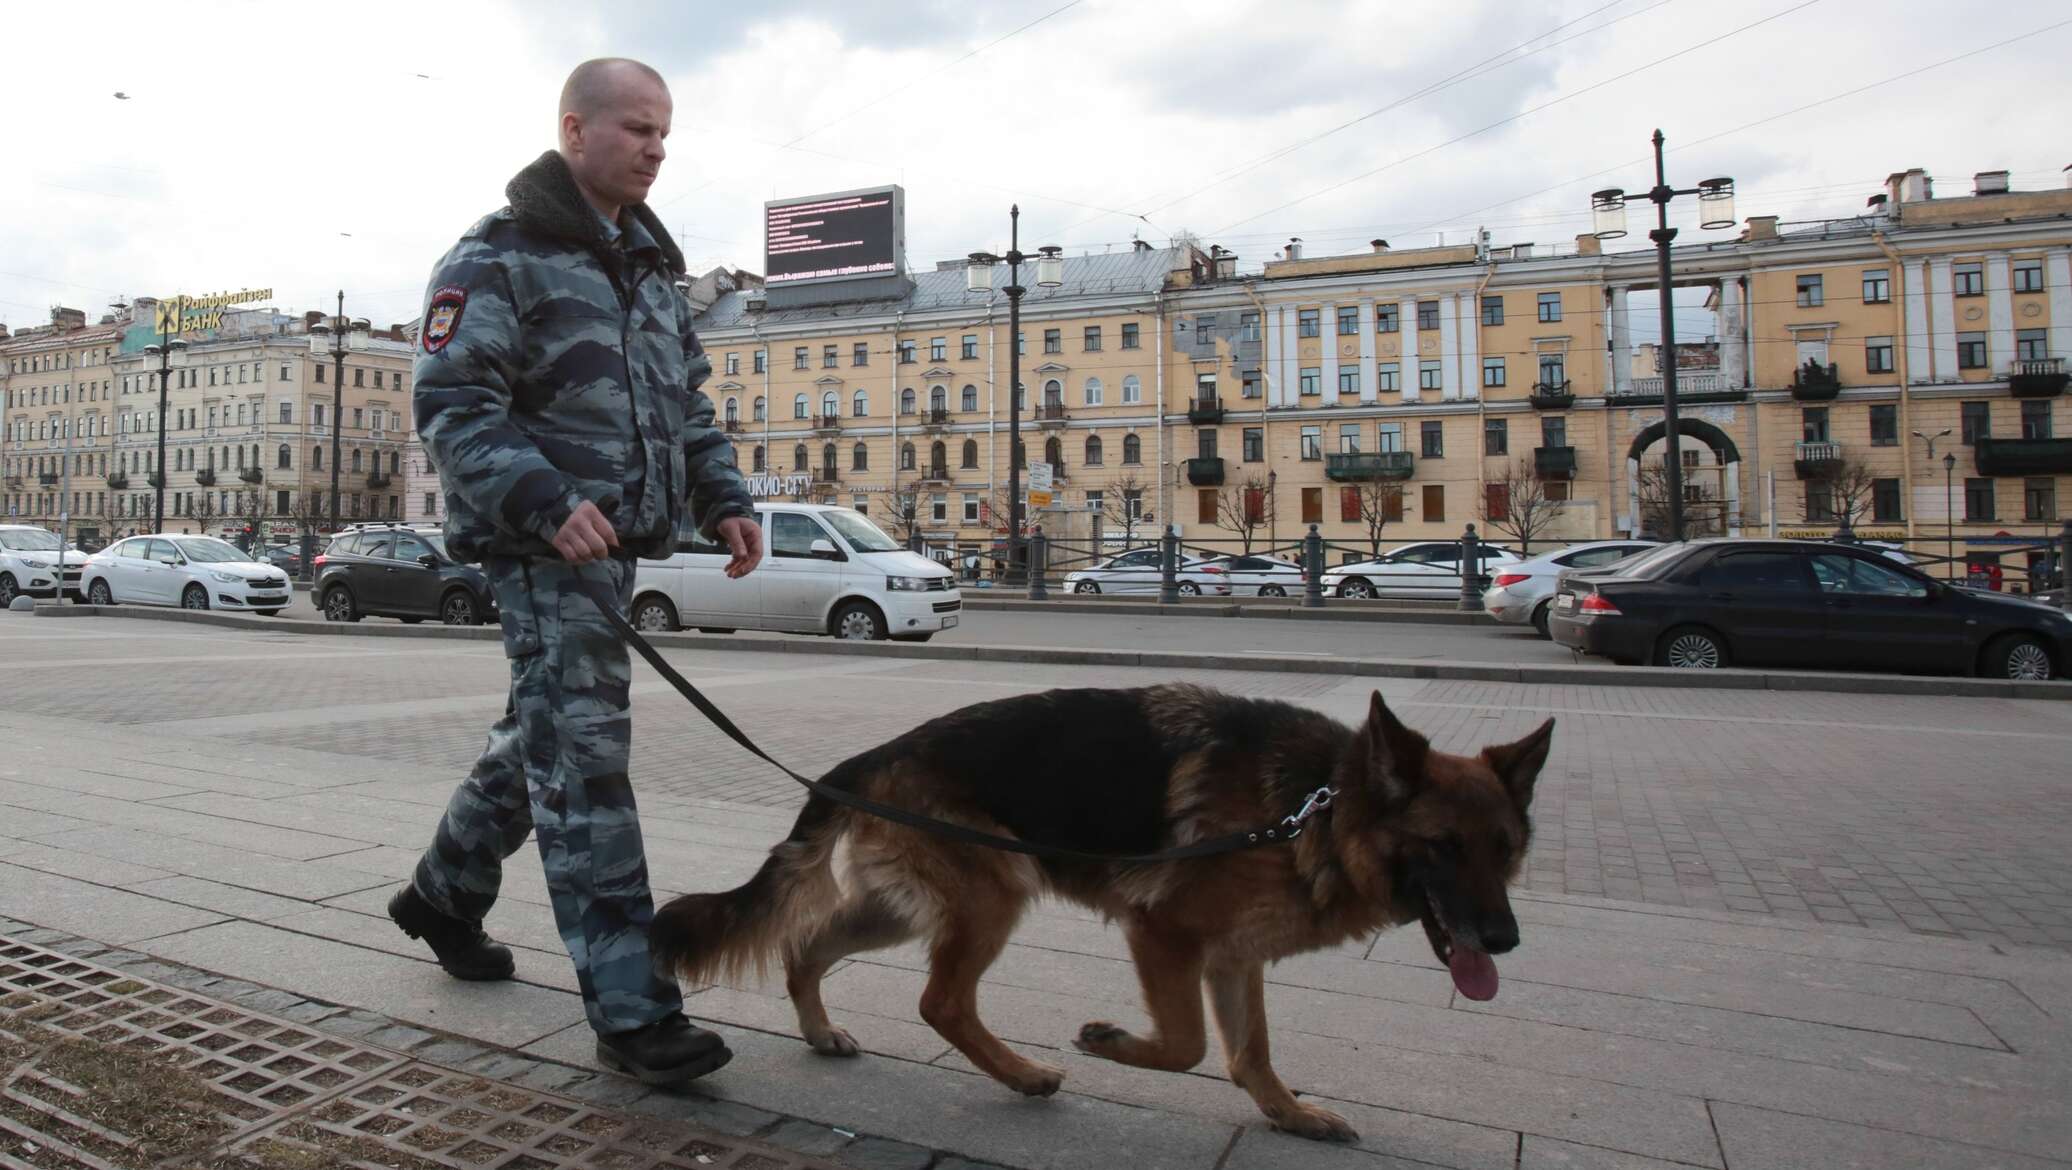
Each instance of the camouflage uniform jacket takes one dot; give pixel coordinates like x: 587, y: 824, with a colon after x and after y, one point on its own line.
x: 556, y: 367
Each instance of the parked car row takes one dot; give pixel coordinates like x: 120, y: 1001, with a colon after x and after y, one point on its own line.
x: 1709, y: 604
x: 191, y: 572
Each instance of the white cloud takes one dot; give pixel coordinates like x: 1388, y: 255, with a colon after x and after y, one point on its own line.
x: 272, y: 145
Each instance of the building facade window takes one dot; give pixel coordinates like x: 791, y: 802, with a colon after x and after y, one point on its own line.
x: 1311, y: 381
x: 1432, y: 439
x: 1255, y: 444
x: 1811, y: 292
x: 938, y: 349
x: 1978, y: 499
x: 2040, y: 498
x: 1496, y: 437
x: 1877, y: 355
x: 1053, y: 341
x: 799, y: 407
x: 969, y: 397
x: 1388, y: 377
x: 1308, y: 322
x: 1094, y: 455
x: 1132, y: 337
x: 1312, y: 443
x: 907, y: 349
x: 2028, y: 276
x: 970, y: 455
x: 1348, y: 379
x: 1493, y: 310
x: 1434, y: 502
x: 1812, y: 425
x: 762, y: 360
x: 1550, y: 306
x: 1969, y: 279
x: 969, y: 347
x: 798, y: 358
x: 1093, y: 392
x: 1884, y: 425
x: 1431, y: 376
x: 1386, y: 319
x: 1349, y: 321
x: 1971, y: 351
x: 1132, y: 450
x: 1877, y: 286
x: 1885, y: 508
x: 830, y: 356
x: 1090, y: 340
x: 1132, y: 390
x: 860, y: 354
x: 733, y: 363
x: 1427, y: 315
x: 2031, y: 345
x: 2036, y: 418
x: 1492, y: 371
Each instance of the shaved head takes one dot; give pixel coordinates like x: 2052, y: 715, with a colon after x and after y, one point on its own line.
x: 594, y: 84
x: 615, y: 114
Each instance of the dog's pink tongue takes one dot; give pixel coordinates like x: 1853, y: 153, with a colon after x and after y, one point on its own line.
x: 1474, y: 973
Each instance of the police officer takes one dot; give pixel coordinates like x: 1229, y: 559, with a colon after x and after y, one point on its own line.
x: 557, y: 393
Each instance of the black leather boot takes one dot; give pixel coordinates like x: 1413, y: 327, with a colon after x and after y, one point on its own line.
x: 667, y: 1052
x: 463, y: 949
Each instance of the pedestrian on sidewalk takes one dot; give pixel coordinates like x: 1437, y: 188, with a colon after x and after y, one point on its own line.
x: 557, y: 394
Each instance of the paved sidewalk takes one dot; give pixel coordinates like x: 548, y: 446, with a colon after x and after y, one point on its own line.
x: 243, y: 803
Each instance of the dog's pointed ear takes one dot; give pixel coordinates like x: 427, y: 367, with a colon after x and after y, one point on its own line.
x: 1518, y: 765
x: 1395, y: 754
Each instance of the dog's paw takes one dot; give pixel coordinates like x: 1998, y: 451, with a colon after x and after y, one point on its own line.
x: 836, y: 1042
x: 1099, y: 1038
x: 1037, y: 1080
x: 1318, y: 1124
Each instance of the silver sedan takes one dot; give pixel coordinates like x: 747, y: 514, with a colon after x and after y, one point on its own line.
x: 1520, y: 593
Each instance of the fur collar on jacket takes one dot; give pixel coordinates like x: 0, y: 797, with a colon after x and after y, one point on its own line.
x: 544, y: 198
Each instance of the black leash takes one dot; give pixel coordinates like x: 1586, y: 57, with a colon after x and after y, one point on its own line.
x: 1288, y: 828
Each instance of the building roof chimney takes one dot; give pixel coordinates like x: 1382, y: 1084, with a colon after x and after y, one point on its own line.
x: 1909, y: 186
x: 1989, y: 183
x: 1379, y: 246
x: 1760, y: 227
x: 1294, y: 247
x: 1588, y: 244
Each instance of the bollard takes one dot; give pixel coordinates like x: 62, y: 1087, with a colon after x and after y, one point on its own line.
x: 1039, y: 565
x: 1169, y: 569
x: 1470, y: 572
x: 309, y: 554
x: 1312, y: 569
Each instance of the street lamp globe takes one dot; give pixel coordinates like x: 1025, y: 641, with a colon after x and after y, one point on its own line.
x: 1608, y: 213
x: 1050, y: 266
x: 176, y: 353
x: 1716, y: 204
x: 978, y: 272
x: 319, y: 338
x: 1949, y: 462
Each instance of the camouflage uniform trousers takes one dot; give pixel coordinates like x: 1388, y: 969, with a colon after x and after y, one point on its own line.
x: 556, y: 765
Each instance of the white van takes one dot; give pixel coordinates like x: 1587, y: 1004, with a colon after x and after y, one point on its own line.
x: 826, y: 570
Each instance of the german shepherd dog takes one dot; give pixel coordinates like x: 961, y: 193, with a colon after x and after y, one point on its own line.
x: 1412, y: 834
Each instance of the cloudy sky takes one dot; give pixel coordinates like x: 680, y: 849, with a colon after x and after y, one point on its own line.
x: 271, y: 145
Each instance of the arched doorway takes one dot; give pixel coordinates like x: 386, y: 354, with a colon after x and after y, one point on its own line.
x: 1712, y: 490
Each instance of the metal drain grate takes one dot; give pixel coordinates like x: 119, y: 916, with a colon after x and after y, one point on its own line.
x: 277, y: 1086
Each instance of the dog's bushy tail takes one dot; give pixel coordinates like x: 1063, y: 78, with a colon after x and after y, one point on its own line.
x: 712, y: 938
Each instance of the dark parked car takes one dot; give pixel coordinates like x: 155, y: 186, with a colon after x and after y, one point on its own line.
x: 400, y: 572
x: 285, y: 557
x: 1715, y: 603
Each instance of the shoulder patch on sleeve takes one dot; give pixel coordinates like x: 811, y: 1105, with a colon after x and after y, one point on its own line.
x: 442, y: 316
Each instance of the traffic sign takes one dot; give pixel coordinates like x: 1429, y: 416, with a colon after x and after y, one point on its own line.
x: 1039, y: 485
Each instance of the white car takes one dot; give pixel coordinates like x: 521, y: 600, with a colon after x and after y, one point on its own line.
x: 1137, y: 571
x: 1521, y: 593
x: 29, y: 563
x: 1429, y: 569
x: 1261, y: 576
x: 825, y: 570
x: 192, y: 572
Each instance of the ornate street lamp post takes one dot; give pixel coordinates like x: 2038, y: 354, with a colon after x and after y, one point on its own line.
x: 336, y: 337
x: 978, y: 278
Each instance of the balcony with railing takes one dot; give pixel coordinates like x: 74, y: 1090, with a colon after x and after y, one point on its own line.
x: 376, y: 480
x: 118, y: 481
x: 2037, y: 378
x: 2022, y: 456
x: 1813, y: 382
x: 1691, y: 386
x: 1554, y: 462
x: 827, y: 423
x: 732, y: 426
x: 206, y: 477
x: 1816, y: 459
x: 1051, y: 414
x: 826, y: 475
x: 252, y: 475
x: 1365, y: 466
x: 1205, y: 471
x: 1553, y: 395
x: 935, y: 416
x: 1205, y: 411
x: 933, y: 473
x: 156, y: 479
x: 47, y: 478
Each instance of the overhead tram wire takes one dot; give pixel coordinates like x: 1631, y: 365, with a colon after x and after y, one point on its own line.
x: 1903, y: 75
x: 1550, y: 103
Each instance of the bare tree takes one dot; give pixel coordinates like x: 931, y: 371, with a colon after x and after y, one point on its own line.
x: 1704, y: 513
x: 1380, y: 503
x: 203, y: 508
x: 1241, y: 507
x: 1846, y: 489
x: 250, y: 506
x: 1123, y: 506
x: 903, y: 513
x: 306, y: 509
x: 1515, y: 503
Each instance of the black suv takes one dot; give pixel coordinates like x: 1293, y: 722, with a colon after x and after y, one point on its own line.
x: 400, y: 572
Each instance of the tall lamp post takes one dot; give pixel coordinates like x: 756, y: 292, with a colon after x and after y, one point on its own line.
x: 171, y: 355
x: 978, y: 278
x: 337, y: 337
x: 1949, y: 517
x: 1716, y: 210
